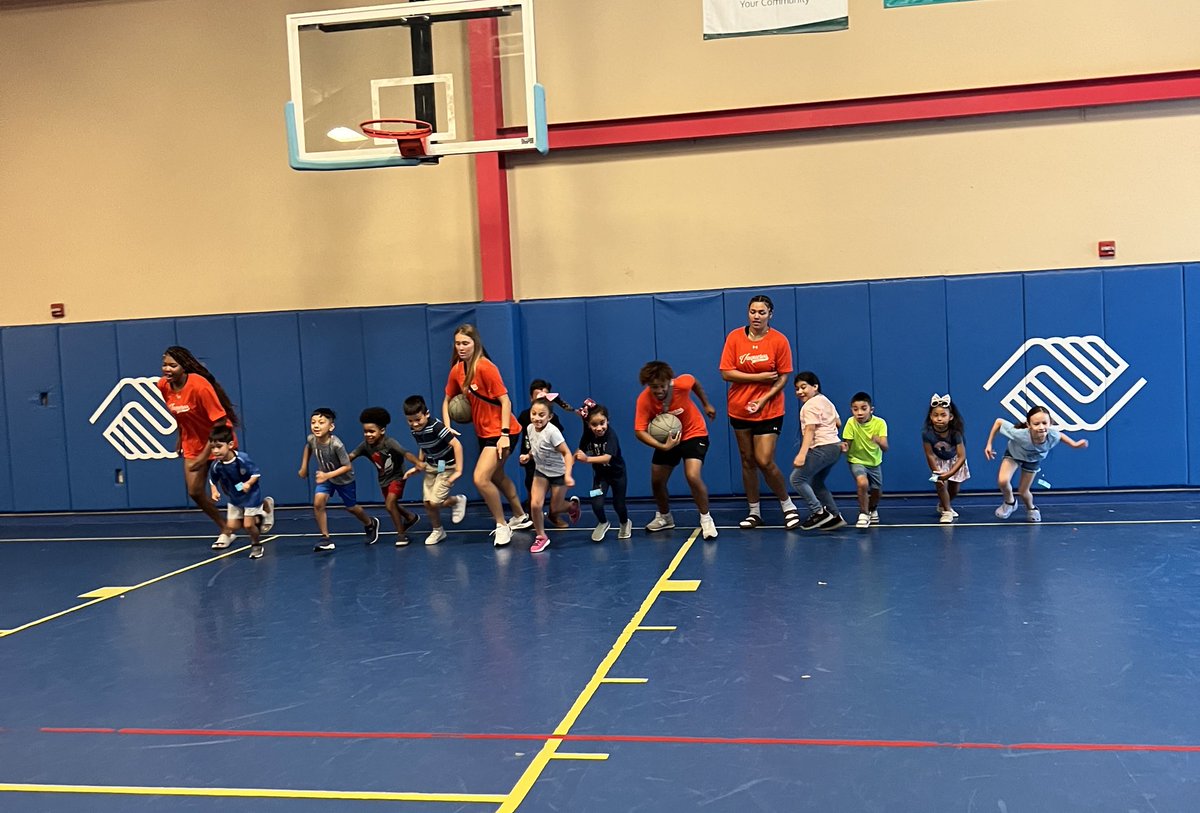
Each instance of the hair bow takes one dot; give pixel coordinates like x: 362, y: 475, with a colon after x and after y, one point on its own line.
x: 940, y: 400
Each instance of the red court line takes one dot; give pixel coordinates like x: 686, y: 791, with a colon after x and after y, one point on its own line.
x: 633, y: 738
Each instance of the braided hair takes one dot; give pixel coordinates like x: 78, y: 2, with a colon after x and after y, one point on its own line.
x: 190, y: 364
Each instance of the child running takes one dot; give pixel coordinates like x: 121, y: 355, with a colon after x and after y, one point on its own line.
x: 235, y: 475
x: 666, y: 392
x: 600, y: 447
x: 864, y: 440
x: 539, y: 388
x: 441, y: 460
x: 1029, y: 442
x: 552, y: 462
x: 946, y: 453
x: 335, y: 475
x: 819, y: 450
x: 388, y: 456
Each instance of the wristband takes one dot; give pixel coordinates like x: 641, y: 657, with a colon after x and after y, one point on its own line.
x: 505, y: 432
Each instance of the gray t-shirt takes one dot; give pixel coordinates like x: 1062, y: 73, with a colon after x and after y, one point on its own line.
x: 330, y: 457
x: 543, y: 446
x: 1020, y: 447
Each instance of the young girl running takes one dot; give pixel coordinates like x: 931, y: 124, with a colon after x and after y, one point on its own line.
x: 1029, y: 442
x: 552, y: 462
x: 198, y: 403
x: 473, y: 373
x: 820, y: 448
x: 600, y: 447
x: 945, y: 452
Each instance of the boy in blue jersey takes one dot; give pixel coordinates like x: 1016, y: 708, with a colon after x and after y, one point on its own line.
x: 235, y: 475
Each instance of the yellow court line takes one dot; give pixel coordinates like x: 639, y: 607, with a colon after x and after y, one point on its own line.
x: 561, y: 755
x: 104, y: 592
x: 540, y: 760
x: 147, y: 583
x: 257, y: 793
x: 625, y: 680
x: 655, y: 629
x: 681, y: 585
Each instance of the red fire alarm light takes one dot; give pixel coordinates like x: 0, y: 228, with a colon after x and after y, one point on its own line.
x: 58, y: 310
x: 1108, y: 248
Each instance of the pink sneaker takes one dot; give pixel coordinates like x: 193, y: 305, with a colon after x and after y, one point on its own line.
x: 540, y: 543
x: 573, y: 510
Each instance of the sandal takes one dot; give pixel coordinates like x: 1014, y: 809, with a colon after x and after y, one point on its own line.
x: 752, y: 521
x: 792, y: 519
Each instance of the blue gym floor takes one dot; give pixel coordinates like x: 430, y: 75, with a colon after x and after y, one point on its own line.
x: 983, y: 666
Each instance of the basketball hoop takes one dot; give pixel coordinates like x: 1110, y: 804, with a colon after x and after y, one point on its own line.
x: 413, y: 143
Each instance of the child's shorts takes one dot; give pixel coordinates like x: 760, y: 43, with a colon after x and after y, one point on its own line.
x: 346, y: 491
x: 874, y: 475
x: 1031, y: 466
x: 235, y: 512
x: 553, y: 479
x: 395, y: 487
x: 944, y: 466
x: 437, y: 485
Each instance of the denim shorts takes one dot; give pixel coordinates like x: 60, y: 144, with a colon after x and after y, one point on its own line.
x: 1031, y: 466
x: 874, y: 475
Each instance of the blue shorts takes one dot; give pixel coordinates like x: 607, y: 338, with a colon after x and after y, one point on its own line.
x: 874, y: 475
x: 347, y: 492
x: 1031, y: 466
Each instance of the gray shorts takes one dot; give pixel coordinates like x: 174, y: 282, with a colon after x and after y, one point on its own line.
x: 235, y: 512
x: 874, y: 475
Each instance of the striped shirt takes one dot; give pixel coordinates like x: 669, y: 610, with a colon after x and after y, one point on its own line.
x: 434, y: 440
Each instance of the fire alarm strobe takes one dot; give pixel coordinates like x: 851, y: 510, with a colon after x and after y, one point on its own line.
x: 58, y: 310
x: 1108, y: 248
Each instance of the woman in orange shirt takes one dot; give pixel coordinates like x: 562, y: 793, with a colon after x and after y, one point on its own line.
x: 474, y: 374
x: 756, y: 362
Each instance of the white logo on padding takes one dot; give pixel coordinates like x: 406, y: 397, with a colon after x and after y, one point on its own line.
x: 1079, y: 371
x: 136, y: 430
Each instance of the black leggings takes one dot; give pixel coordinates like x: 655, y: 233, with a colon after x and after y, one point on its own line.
x: 618, y: 491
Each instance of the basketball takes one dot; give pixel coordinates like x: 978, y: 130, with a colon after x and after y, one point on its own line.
x: 460, y: 409
x: 663, y: 426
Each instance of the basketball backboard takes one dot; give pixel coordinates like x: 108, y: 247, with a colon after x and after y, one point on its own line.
x: 417, y: 60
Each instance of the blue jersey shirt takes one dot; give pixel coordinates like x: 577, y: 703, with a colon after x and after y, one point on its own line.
x: 1020, y: 447
x: 226, y: 476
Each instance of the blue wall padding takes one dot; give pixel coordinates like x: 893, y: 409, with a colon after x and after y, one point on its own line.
x: 89, y: 371
x: 6, y: 496
x: 1191, y: 316
x: 1069, y: 303
x: 898, y: 340
x: 1154, y: 348
x: 783, y: 319
x: 36, y: 437
x: 273, y: 402
x: 832, y: 338
x: 985, y: 325
x: 140, y: 344
x: 620, y: 335
x: 689, y: 335
x: 910, y: 361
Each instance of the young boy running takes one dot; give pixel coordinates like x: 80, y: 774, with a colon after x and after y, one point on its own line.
x: 335, y: 475
x: 235, y: 475
x: 441, y: 460
x: 864, y: 440
x: 388, y: 456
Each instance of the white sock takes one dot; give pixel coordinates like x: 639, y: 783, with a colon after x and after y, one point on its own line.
x: 756, y: 509
x: 706, y: 517
x: 787, y: 505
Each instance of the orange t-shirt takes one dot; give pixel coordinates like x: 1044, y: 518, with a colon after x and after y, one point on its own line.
x: 771, y: 353
x: 487, y: 382
x: 681, y: 407
x: 196, y: 408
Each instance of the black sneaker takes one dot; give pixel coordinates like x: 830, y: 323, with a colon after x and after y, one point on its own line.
x: 324, y: 545
x: 814, y: 520
x: 832, y: 522
x: 372, y: 531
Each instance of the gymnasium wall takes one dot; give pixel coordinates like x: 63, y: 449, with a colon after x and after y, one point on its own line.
x: 144, y: 170
x: 900, y: 340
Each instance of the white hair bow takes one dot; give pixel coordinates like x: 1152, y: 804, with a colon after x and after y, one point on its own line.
x: 940, y: 400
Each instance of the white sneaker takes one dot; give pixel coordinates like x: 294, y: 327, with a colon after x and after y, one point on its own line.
x: 1034, y: 514
x: 223, y: 541
x: 460, y: 508
x: 874, y: 517
x: 1005, y: 510
x: 708, y: 528
x: 864, y: 521
x: 268, y: 517
x: 625, y: 530
x: 503, y: 535
x: 661, y: 522
x: 435, y: 536
x: 947, y: 517
x: 599, y: 531
x: 520, y: 523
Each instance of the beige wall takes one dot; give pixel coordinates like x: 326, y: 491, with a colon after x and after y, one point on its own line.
x: 122, y: 222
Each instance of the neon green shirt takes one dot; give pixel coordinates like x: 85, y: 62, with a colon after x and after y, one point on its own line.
x: 863, y: 450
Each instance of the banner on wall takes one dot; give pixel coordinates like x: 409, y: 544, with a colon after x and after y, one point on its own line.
x: 750, y: 18
x: 901, y: 3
